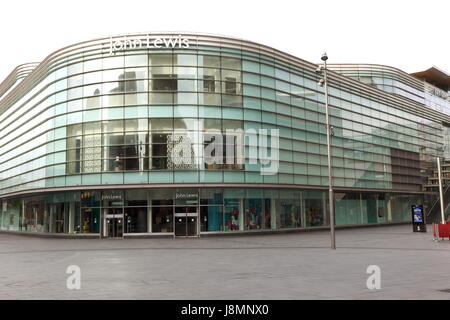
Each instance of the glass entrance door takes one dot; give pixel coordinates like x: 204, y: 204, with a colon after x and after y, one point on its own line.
x: 186, y: 221
x: 113, y: 223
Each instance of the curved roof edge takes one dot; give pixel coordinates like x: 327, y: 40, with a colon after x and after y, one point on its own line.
x: 39, y: 69
x: 381, y: 67
x: 18, y: 73
x: 198, y: 38
x: 433, y: 76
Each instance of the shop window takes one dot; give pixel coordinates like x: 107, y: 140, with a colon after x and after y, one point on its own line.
x: 289, y: 211
x: 135, y: 220
x: 211, y: 218
x: 211, y: 196
x: 90, y: 220
x: 314, y: 212
x: 162, y: 219
x: 232, y: 213
x: 34, y: 216
x: 254, y: 214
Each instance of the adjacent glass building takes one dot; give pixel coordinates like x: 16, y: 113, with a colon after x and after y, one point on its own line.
x: 87, y: 140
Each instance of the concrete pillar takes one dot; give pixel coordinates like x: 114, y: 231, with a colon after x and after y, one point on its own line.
x: 149, y: 212
x: 325, y: 208
x: 51, y: 220
x: 104, y: 226
x: 1, y: 215
x: 303, y: 209
x: 71, y: 216
x: 241, y: 214
x: 149, y: 219
x: 23, y: 216
x: 273, y: 214
x: 389, y: 208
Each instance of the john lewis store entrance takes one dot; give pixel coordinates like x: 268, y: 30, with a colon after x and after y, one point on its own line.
x: 170, y: 212
x: 186, y: 212
x: 186, y: 221
x: 113, y: 223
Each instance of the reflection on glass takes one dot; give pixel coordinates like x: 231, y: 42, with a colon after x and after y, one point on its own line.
x: 231, y: 214
x: 162, y: 219
x: 135, y: 220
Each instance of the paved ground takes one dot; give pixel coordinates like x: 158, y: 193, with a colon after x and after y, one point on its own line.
x: 282, y: 266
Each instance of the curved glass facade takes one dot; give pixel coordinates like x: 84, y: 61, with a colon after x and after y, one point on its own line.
x: 88, y: 143
x: 398, y: 82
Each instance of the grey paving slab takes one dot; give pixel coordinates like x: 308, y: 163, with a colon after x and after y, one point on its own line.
x: 280, y: 266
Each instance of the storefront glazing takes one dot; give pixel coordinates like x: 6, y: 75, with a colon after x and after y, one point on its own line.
x: 155, y: 211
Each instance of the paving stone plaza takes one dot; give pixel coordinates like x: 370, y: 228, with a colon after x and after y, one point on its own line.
x: 280, y: 266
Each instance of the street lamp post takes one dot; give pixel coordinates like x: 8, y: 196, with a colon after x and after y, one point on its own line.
x: 441, y: 197
x: 324, y: 82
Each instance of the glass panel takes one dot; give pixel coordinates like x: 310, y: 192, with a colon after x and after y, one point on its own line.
x: 162, y: 197
x: 231, y: 63
x: 135, y: 220
x: 232, y: 213
x: 211, y: 196
x: 211, y: 218
x: 186, y: 59
x: 209, y: 61
x: 90, y: 220
x: 160, y: 59
x: 289, y: 211
x: 136, y: 60
x: 164, y: 83
x: 162, y: 219
x: 314, y: 209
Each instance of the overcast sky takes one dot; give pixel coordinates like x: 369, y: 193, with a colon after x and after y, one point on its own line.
x: 410, y: 35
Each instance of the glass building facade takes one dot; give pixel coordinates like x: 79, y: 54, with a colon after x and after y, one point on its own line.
x: 87, y: 141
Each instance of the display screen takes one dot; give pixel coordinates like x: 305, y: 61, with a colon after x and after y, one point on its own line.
x: 417, y: 214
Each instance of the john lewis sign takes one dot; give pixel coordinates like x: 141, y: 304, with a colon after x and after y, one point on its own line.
x: 185, y: 195
x: 148, y: 42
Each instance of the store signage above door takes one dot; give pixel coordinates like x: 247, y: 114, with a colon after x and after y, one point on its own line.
x: 112, y: 197
x: 185, y: 214
x: 146, y: 42
x: 186, y: 195
x: 114, y: 216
